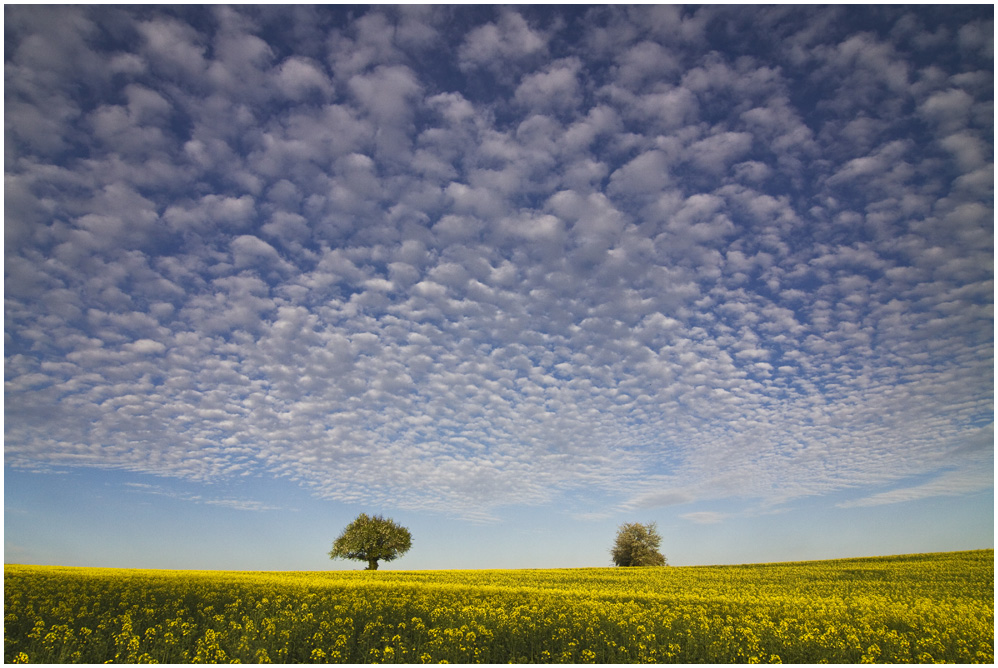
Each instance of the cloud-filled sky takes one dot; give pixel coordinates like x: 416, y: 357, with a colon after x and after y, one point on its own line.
x: 499, y: 272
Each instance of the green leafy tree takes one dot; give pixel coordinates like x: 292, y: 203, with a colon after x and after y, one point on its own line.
x: 637, y: 545
x: 372, y: 539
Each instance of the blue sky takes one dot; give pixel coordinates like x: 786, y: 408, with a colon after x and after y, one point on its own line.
x: 511, y: 276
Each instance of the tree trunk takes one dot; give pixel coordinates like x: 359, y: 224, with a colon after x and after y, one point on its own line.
x: 372, y: 565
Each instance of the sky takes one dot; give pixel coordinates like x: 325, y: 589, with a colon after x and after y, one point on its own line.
x: 511, y: 276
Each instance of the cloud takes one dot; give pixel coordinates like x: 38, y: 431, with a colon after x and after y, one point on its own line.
x: 661, y: 499
x: 649, y: 173
x: 236, y: 504
x: 297, y: 77
x: 949, y: 110
x: 145, y: 346
x: 704, y: 517
x: 948, y: 483
x: 455, y: 261
x: 509, y: 39
x: 249, y: 251
x: 716, y: 153
x: 174, y: 47
x: 644, y: 60
x: 554, y: 88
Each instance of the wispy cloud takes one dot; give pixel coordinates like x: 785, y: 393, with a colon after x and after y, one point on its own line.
x: 948, y: 483
x: 236, y: 504
x: 456, y: 260
x: 704, y: 517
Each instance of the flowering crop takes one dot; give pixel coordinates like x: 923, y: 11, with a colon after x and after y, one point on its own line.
x: 915, y: 608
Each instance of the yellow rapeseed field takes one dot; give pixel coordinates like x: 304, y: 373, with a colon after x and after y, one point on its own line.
x: 915, y: 608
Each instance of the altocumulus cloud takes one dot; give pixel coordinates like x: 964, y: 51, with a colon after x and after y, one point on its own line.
x: 456, y: 259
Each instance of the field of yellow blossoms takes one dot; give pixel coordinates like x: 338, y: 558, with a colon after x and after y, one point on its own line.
x: 916, y: 608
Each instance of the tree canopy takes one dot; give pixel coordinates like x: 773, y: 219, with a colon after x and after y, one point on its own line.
x: 638, y: 545
x: 372, y: 539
